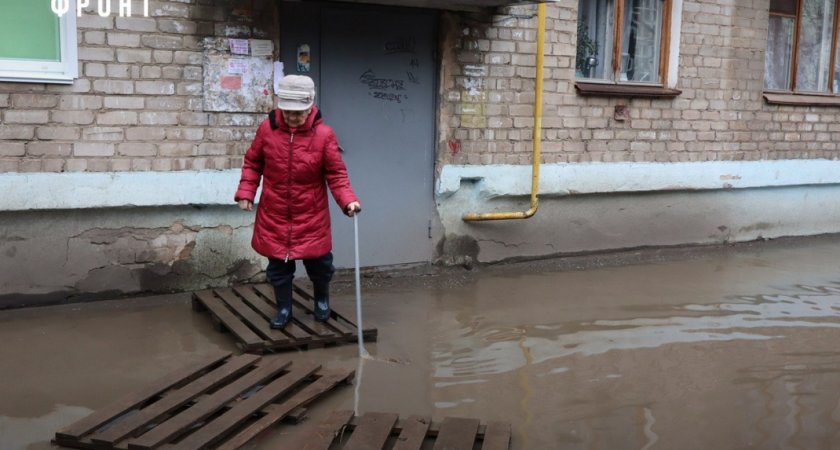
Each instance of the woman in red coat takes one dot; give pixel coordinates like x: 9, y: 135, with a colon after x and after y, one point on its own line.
x: 297, y: 156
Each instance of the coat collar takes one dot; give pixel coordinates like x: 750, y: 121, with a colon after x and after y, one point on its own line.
x: 313, y: 119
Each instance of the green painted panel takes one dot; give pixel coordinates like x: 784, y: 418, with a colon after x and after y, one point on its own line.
x: 29, y: 30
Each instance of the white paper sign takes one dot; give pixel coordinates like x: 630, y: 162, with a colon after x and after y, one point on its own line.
x: 237, y: 66
x: 261, y: 47
x: 278, y: 75
x: 239, y: 46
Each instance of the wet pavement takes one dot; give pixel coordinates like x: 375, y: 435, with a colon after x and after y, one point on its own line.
x: 715, y: 348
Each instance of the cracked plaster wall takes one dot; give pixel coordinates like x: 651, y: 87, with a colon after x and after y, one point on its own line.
x: 70, y: 255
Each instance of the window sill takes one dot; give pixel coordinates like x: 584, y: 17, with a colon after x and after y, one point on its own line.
x: 624, y: 90
x: 775, y: 98
x: 38, y: 78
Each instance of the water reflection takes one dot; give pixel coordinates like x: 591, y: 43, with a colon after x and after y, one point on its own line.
x: 19, y: 433
x: 652, y: 437
x: 795, y: 400
x: 478, y: 348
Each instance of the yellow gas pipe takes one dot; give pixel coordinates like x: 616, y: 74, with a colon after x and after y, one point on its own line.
x: 535, y: 176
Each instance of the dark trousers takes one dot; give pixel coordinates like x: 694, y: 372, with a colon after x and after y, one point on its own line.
x: 281, y: 273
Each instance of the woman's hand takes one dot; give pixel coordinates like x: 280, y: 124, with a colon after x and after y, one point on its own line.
x: 246, y: 205
x: 352, y: 209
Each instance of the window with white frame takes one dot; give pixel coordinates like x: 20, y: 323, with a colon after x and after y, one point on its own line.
x: 802, y: 47
x: 622, y: 41
x: 36, y: 45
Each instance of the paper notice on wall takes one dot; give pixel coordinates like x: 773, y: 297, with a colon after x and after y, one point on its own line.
x: 262, y: 47
x: 237, y: 66
x: 231, y: 82
x: 278, y: 75
x: 235, y: 83
x: 239, y: 46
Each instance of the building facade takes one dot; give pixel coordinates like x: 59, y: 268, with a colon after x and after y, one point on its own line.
x: 664, y: 122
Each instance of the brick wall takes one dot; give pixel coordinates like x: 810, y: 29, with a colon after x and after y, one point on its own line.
x: 488, y: 95
x: 137, y: 104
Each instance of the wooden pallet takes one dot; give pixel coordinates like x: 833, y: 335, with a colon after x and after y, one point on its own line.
x: 222, y: 402
x: 245, y: 311
x: 387, y: 431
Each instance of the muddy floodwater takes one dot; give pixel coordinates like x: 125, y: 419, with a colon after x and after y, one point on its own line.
x: 715, y: 348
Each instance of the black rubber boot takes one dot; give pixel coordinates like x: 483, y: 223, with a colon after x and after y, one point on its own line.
x: 283, y: 295
x: 322, y: 301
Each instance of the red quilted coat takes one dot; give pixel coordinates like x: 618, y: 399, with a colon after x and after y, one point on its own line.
x: 293, y: 218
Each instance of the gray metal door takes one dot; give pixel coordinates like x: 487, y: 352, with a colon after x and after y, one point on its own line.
x: 376, y: 72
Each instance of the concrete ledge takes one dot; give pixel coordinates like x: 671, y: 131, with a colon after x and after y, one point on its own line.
x: 43, y: 191
x: 595, y: 178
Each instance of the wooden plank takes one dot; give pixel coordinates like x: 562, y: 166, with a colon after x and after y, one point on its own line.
x: 346, y: 316
x: 177, y: 398
x: 496, y: 436
x: 456, y: 434
x: 254, y: 320
x: 131, y: 401
x: 276, y: 413
x: 222, y: 425
x: 267, y: 291
x: 340, y: 320
x: 325, y: 433
x: 291, y: 329
x: 434, y: 428
x: 413, y: 433
x: 266, y: 307
x: 208, y: 405
x: 246, y: 312
x: 340, y: 325
x: 372, y: 431
x: 306, y: 320
x: 296, y: 416
x: 231, y: 322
